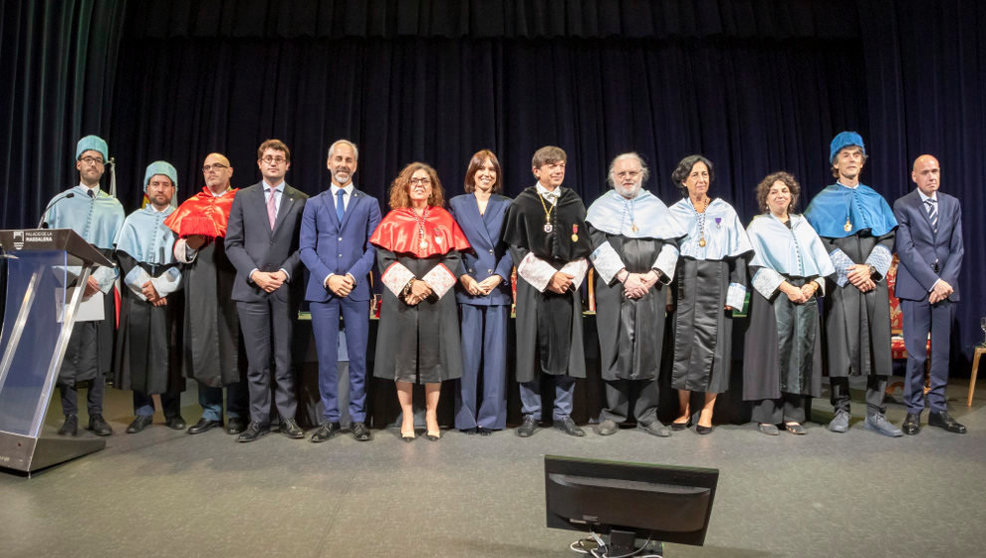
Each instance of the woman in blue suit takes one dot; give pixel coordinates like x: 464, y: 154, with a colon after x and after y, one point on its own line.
x: 484, y: 297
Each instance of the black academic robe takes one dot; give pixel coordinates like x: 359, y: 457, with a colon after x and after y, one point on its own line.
x: 420, y: 343
x: 90, y: 347
x: 148, y: 343
x: 783, y: 348
x: 631, y: 331
x: 857, y: 324
x: 549, y: 325
x: 703, y: 329
x: 211, y: 330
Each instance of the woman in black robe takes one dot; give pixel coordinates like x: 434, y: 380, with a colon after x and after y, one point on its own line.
x: 782, y: 363
x: 418, y: 244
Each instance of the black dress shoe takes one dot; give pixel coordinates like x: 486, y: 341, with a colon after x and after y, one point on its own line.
x: 253, y: 431
x: 291, y: 429
x: 911, y: 424
x: 361, y: 433
x: 98, y: 426
x: 470, y: 431
x: 568, y: 426
x: 175, y: 423
x: 235, y: 425
x: 70, y: 427
x: 140, y: 422
x: 204, y: 425
x: 484, y: 431
x: 944, y: 420
x: 325, y: 432
x: 703, y: 429
x: 527, y: 429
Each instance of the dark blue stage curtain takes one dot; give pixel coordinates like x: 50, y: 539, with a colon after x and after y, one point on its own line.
x: 756, y: 85
x: 60, y: 59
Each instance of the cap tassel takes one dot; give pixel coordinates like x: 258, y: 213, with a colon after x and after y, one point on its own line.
x: 112, y: 163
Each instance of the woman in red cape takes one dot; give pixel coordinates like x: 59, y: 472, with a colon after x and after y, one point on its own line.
x: 418, y: 245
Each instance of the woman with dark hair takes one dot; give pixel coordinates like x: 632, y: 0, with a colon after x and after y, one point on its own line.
x: 418, y: 244
x: 484, y: 297
x: 782, y: 363
x: 711, y: 279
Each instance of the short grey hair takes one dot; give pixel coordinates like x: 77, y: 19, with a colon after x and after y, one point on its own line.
x: 645, y: 171
x: 346, y: 142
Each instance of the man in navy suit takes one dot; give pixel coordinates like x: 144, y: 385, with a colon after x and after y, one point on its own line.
x: 335, y: 247
x: 929, y: 245
x: 262, y: 244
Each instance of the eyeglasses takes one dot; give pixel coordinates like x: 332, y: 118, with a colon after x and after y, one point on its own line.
x: 216, y: 166
x: 92, y: 160
x: 276, y: 160
x: 628, y: 174
x: 422, y: 181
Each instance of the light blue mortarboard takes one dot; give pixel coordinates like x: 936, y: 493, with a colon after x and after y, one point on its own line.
x: 161, y: 167
x: 94, y: 143
x: 843, y: 140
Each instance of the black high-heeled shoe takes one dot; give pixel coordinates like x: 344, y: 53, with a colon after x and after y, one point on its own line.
x: 703, y: 429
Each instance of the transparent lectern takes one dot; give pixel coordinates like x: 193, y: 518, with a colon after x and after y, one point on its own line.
x: 43, y: 268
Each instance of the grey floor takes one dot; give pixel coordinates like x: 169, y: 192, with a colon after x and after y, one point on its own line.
x: 165, y: 493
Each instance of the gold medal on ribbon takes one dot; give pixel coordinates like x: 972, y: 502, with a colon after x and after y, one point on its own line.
x: 575, y: 233
x: 848, y: 226
x: 701, y: 242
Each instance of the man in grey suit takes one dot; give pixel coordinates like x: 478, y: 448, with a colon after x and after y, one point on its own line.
x: 262, y: 243
x: 929, y: 245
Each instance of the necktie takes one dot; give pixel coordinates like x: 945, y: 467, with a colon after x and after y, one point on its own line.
x: 271, y: 208
x: 340, y: 205
x: 91, y: 194
x: 932, y: 213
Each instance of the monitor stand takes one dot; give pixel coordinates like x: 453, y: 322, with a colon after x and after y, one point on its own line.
x: 618, y: 543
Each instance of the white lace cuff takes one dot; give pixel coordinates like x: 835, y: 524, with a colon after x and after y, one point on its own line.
x: 440, y: 279
x: 666, y: 261
x: 578, y: 269
x: 606, y: 261
x: 736, y: 296
x: 842, y: 264
x: 395, y: 277
x: 766, y: 281
x: 880, y: 258
x: 535, y: 271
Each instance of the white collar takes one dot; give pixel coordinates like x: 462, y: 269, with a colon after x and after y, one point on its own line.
x: 933, y: 197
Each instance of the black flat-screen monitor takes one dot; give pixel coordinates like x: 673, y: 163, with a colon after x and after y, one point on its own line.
x: 656, y: 502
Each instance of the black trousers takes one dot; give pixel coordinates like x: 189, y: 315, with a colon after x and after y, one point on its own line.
x: 623, y: 395
x: 876, y: 389
x: 94, y: 398
x: 789, y: 408
x: 266, y: 328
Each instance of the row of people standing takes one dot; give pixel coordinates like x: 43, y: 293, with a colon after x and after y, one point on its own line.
x: 633, y: 240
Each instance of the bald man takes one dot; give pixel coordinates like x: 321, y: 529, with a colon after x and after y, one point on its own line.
x: 929, y: 245
x: 211, y: 340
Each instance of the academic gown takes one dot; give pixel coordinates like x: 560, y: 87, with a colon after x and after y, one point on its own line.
x: 211, y: 326
x: 420, y: 343
x: 548, y: 323
x: 857, y: 324
x: 638, y: 235
x: 148, y: 345
x: 783, y: 345
x: 97, y: 220
x: 708, y: 278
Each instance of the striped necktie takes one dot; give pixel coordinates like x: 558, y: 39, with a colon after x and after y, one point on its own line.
x: 271, y: 207
x: 932, y: 207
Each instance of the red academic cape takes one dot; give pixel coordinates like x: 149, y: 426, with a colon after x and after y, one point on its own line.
x: 398, y: 232
x: 203, y: 214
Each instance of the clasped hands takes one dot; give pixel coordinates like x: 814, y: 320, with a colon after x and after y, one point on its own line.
x: 636, y: 285
x: 940, y: 292
x: 799, y: 295
x: 341, y: 285
x: 419, y: 291
x: 859, y: 276
x: 480, y: 288
x: 269, y: 281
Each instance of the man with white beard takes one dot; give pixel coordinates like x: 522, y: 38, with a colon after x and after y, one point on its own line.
x: 634, y: 241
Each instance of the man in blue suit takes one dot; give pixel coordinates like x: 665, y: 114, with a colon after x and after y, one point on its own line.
x: 929, y: 245
x: 335, y: 247
x: 262, y: 244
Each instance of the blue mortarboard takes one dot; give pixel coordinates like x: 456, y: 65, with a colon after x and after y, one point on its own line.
x: 160, y: 167
x: 843, y: 140
x: 94, y: 143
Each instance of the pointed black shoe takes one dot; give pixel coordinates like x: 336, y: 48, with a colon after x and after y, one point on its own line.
x: 326, y: 432
x: 98, y: 426
x: 944, y: 420
x: 253, y: 431
x: 911, y: 424
x: 140, y: 422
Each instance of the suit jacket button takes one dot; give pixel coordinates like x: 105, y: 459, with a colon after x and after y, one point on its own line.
x: 340, y: 255
x: 340, y: 239
x: 490, y: 271
x: 491, y: 251
x: 471, y: 270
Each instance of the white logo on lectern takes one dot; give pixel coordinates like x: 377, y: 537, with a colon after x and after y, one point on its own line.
x: 18, y: 240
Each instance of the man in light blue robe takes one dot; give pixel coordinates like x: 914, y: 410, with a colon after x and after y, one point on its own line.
x: 147, y: 356
x: 97, y: 217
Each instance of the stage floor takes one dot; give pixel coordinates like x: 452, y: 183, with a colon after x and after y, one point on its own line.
x: 165, y: 493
